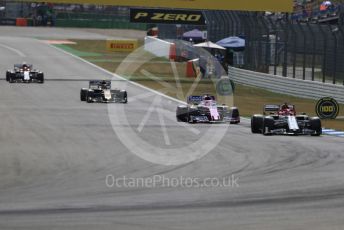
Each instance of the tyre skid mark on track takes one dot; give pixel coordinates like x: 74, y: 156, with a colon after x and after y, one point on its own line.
x: 302, y: 198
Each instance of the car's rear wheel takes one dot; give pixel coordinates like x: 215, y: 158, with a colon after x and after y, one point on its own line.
x: 11, y: 80
x: 234, y: 112
x: 124, y: 96
x: 257, y: 124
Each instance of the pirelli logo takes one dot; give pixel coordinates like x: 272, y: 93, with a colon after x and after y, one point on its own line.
x: 121, y: 45
x: 166, y: 16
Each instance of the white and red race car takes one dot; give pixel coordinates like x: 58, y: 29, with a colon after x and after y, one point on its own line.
x: 282, y: 119
x: 24, y: 73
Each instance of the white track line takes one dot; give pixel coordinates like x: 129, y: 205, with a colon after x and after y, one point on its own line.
x: 117, y: 76
x: 21, y: 54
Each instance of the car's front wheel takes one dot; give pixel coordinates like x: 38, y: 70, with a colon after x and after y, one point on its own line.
x: 125, y: 97
x: 41, y: 78
x: 182, y: 113
x: 8, y: 74
x: 89, y: 99
x: 315, y: 124
x: 257, y: 124
x: 83, y: 94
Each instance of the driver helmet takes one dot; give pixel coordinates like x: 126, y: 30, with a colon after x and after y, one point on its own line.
x: 207, y: 98
x: 103, y: 84
x: 285, y: 105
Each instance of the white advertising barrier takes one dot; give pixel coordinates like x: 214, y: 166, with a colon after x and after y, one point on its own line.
x: 158, y: 47
x: 289, y: 86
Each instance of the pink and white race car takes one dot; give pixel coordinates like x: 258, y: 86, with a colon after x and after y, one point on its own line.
x: 204, y: 109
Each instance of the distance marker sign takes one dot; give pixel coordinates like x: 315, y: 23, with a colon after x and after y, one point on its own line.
x: 327, y: 108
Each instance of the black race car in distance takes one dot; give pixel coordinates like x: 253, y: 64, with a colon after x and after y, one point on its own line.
x: 100, y: 91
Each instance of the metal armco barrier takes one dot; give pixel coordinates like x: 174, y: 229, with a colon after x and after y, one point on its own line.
x: 289, y: 86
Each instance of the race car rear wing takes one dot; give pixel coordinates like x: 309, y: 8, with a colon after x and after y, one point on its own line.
x: 197, y: 99
x: 272, y: 109
x: 100, y: 82
x: 19, y: 66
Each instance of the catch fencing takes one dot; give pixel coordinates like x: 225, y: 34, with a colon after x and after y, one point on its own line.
x: 276, y: 44
x: 289, y: 86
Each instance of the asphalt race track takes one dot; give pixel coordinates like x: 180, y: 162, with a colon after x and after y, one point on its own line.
x: 56, y: 152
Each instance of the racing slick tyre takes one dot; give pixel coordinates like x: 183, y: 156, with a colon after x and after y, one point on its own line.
x: 11, y: 80
x: 40, y: 78
x: 124, y: 96
x: 182, y: 113
x: 315, y: 124
x: 89, y: 97
x: 234, y: 111
x: 83, y: 94
x: 257, y: 124
x: 89, y: 100
x: 268, y: 125
x: 8, y: 74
